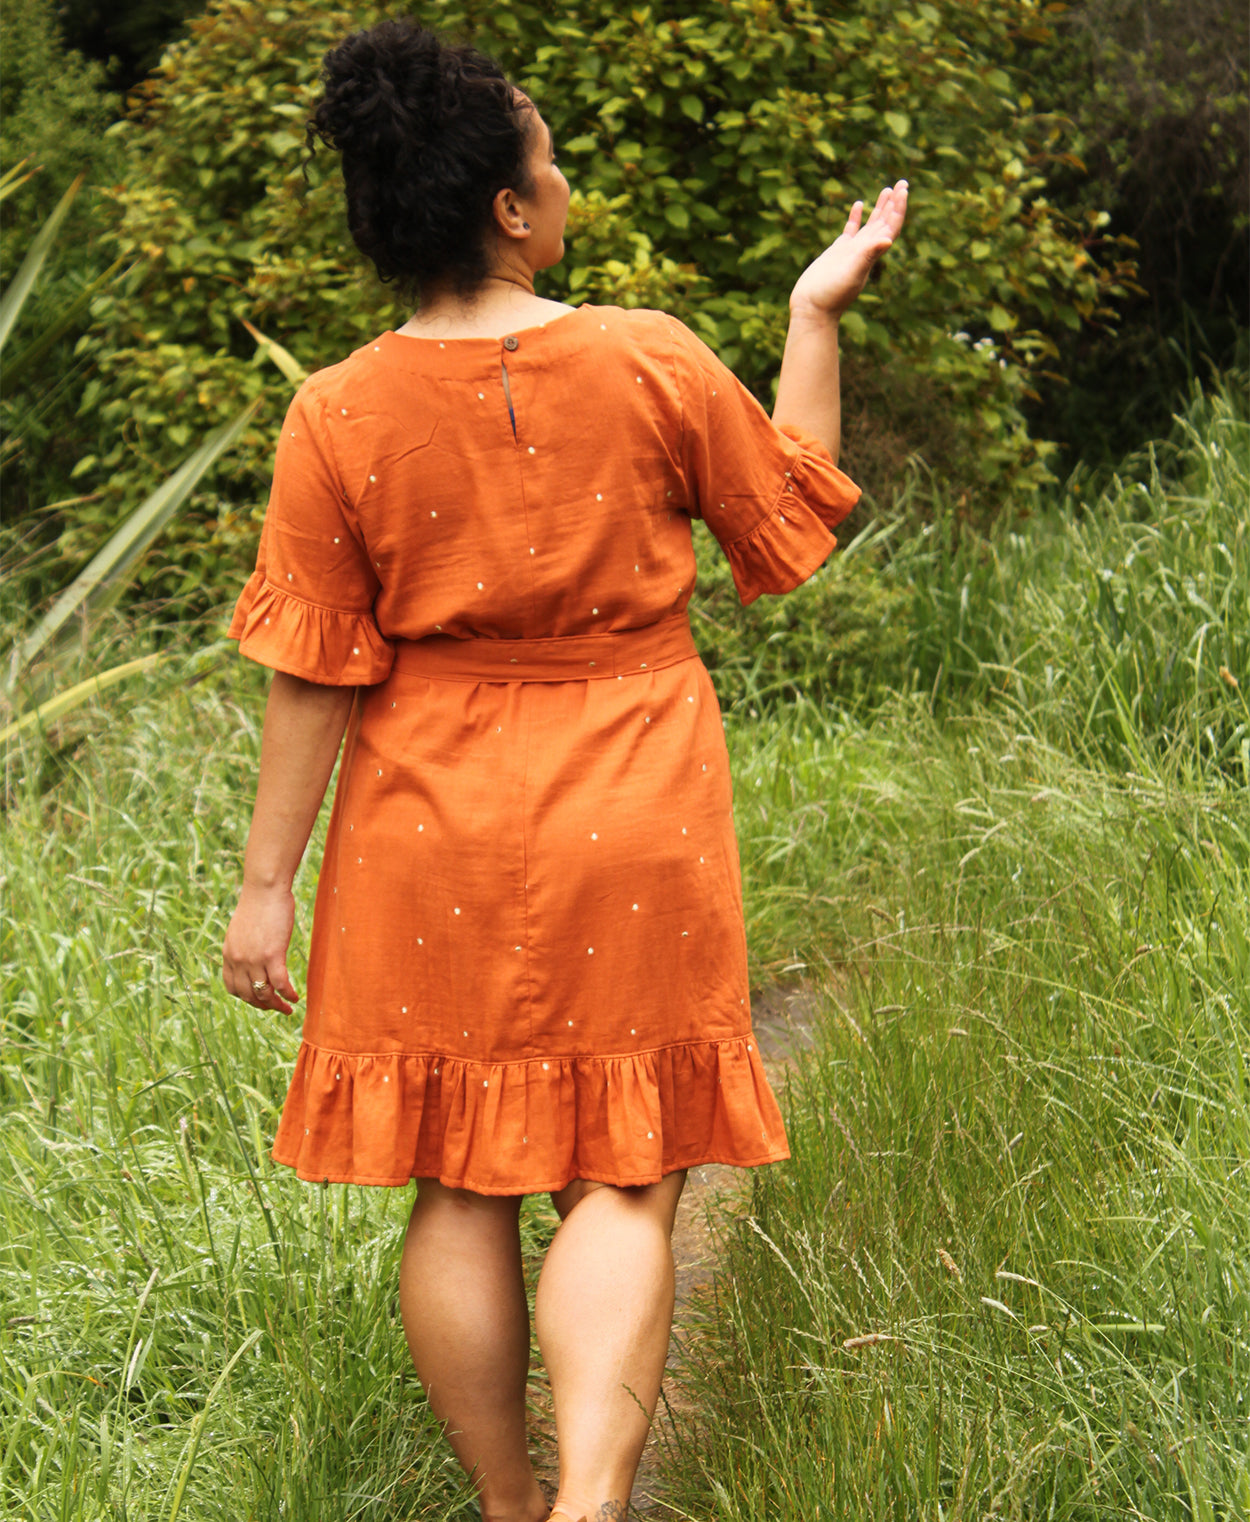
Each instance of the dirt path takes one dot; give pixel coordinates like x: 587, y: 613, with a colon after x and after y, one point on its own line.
x: 784, y: 1019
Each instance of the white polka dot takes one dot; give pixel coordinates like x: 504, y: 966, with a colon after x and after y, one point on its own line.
x: 525, y: 1139
x: 635, y: 568
x: 386, y: 1078
x: 638, y: 378
x: 782, y: 516
x: 376, y: 350
x: 266, y: 620
x: 705, y: 766
x: 650, y: 1135
x: 337, y: 1077
x: 403, y: 1009
x: 516, y: 948
x: 570, y: 1022
x: 633, y: 906
x: 632, y: 1032
x: 531, y: 549
x: 433, y: 514
x: 594, y: 835
x: 486, y: 1083
x: 685, y: 932
x: 306, y: 1131
x: 590, y: 951
x: 647, y: 720
x: 336, y: 538
x: 379, y: 771
x: 355, y: 649
x: 750, y: 1048
x: 420, y: 827
x: 438, y: 628
x: 374, y: 479
x: 292, y: 435
x: 668, y: 494
x: 546, y: 1065
x: 594, y: 610
x: 683, y: 828
x: 442, y: 345
x: 343, y: 410
x: 360, y: 861
x: 420, y: 942
x: 456, y: 911
x: 289, y: 577
x: 688, y: 700
x: 479, y: 586
x: 465, y: 1033
x: 598, y: 496
x: 481, y: 396
x: 436, y: 1072
x: 642, y: 665
x: 603, y: 327
x: 531, y: 449
x: 713, y: 393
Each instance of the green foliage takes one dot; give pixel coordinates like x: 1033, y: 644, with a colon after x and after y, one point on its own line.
x: 1123, y: 622
x: 1159, y: 99
x: 713, y: 151
x: 53, y: 115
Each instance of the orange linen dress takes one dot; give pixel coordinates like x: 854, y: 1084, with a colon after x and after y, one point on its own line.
x: 528, y: 962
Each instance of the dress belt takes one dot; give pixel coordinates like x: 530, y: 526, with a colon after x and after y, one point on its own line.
x: 565, y: 658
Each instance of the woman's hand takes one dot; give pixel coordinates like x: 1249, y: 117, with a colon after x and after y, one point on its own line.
x: 829, y: 285
x: 254, y: 954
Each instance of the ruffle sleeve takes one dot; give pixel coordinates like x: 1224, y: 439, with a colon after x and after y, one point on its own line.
x: 770, y: 494
x: 308, y: 608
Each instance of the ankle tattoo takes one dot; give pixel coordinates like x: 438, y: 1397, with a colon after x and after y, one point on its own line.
x: 611, y: 1511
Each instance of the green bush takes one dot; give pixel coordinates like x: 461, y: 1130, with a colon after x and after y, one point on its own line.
x: 713, y: 150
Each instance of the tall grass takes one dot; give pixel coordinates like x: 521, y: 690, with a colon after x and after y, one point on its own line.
x: 1008, y: 1270
x: 1020, y: 1151
x: 184, y: 1328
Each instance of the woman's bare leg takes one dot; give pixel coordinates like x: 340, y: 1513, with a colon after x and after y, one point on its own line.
x: 603, y: 1316
x: 462, y: 1295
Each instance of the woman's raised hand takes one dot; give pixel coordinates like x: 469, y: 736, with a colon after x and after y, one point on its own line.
x: 829, y: 285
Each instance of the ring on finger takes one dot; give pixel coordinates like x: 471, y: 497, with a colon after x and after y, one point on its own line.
x: 260, y: 986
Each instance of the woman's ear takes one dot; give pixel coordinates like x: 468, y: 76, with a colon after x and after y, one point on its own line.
x: 508, y: 216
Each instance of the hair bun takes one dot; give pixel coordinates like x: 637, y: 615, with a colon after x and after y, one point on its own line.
x: 429, y: 133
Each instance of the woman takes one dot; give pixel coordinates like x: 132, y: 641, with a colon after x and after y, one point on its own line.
x: 527, y: 969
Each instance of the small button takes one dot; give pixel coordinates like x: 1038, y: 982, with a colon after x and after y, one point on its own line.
x: 511, y: 344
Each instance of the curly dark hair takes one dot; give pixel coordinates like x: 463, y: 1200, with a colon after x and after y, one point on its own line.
x: 429, y: 133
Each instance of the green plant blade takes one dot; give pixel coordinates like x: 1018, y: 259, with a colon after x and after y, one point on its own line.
x: 13, y: 179
x: 283, y: 358
x: 197, y: 1430
x: 42, y: 342
x: 65, y: 702
x: 14, y: 298
x: 104, y: 577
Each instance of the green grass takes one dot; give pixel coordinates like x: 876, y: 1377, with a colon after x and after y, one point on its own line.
x: 1017, y: 857
x: 1020, y: 1149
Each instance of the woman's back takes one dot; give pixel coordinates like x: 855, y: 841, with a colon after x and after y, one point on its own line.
x: 536, y: 485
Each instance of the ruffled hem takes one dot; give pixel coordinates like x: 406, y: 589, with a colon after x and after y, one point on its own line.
x: 794, y: 540
x: 527, y: 1127
x: 326, y: 645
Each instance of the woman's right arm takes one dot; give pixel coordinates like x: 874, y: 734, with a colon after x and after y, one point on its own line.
x: 808, y: 391
x: 304, y: 724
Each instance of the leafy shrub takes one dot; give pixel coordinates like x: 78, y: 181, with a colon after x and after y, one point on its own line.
x: 713, y: 150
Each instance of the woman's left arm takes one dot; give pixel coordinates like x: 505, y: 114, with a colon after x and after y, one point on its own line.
x: 304, y: 724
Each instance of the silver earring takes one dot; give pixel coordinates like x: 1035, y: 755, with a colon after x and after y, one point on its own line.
x: 526, y: 226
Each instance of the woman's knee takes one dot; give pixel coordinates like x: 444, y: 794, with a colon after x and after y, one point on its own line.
x: 659, y: 1199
